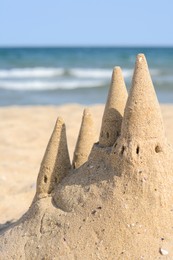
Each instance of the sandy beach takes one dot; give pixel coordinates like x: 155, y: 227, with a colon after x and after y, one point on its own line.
x: 25, y: 132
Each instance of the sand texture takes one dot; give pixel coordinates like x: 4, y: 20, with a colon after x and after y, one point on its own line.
x: 114, y: 201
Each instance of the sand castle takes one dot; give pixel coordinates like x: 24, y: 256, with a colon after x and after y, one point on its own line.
x: 116, y: 199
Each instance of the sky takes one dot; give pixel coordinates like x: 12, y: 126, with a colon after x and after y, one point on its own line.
x: 86, y: 22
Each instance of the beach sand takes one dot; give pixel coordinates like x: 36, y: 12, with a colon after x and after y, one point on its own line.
x: 25, y: 132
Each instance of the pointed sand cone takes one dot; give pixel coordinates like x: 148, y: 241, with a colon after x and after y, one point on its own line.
x: 56, y: 162
x: 86, y: 139
x: 114, y: 110
x: 142, y: 117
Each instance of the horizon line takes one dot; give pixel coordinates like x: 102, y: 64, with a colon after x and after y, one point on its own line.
x: 87, y: 46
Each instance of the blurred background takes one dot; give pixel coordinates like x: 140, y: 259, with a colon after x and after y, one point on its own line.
x: 58, y: 52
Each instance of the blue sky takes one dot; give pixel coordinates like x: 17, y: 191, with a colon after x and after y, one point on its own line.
x: 87, y: 22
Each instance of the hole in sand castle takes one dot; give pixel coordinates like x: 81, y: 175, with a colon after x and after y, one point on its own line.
x: 114, y: 146
x: 122, y: 149
x: 118, y: 134
x: 73, y: 165
x: 137, y: 150
x: 45, y: 179
x: 158, y: 149
x: 107, y: 135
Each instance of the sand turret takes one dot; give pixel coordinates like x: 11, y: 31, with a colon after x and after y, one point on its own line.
x: 142, y: 117
x: 141, y: 153
x: 114, y: 110
x: 56, y: 162
x: 85, y: 141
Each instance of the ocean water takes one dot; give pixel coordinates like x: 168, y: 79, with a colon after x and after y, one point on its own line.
x: 54, y: 76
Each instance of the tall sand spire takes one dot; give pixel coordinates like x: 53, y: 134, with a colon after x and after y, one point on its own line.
x: 142, y: 117
x: 86, y: 139
x: 56, y: 162
x: 114, y: 110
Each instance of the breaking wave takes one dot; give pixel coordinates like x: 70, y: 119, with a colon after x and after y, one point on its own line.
x: 31, y: 72
x: 46, y: 78
x: 49, y: 85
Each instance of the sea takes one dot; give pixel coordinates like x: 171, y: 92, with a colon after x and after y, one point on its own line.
x: 61, y: 75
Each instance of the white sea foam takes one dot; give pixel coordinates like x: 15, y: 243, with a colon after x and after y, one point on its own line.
x: 59, y: 78
x: 31, y: 72
x: 49, y: 85
x: 43, y: 72
x: 97, y: 73
x: 127, y: 73
x: 90, y: 73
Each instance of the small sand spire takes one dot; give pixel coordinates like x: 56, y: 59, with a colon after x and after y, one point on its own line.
x: 86, y: 139
x: 56, y: 162
x: 142, y: 117
x: 114, y: 110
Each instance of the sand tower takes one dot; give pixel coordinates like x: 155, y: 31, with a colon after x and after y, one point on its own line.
x: 86, y: 139
x: 56, y: 161
x: 114, y: 110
